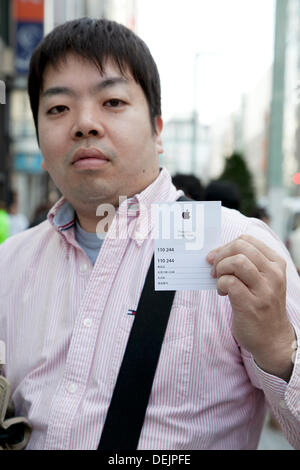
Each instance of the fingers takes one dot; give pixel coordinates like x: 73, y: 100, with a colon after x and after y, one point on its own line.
x: 234, y: 287
x: 257, y: 252
x: 241, y: 267
x: 270, y: 254
x: 250, y: 261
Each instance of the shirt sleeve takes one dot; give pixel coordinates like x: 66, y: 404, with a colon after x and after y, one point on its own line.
x: 283, y: 398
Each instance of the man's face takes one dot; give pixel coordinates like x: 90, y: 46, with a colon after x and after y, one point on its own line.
x: 95, y: 133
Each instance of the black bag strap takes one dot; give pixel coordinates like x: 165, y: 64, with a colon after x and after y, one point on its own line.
x: 130, y: 398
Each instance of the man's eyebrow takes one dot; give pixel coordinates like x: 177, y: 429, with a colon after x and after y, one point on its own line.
x: 110, y: 82
x: 63, y: 90
x: 58, y: 90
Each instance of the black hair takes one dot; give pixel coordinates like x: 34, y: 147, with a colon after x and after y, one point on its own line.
x: 225, y: 191
x: 96, y: 40
x: 10, y: 197
x: 190, y: 184
x: 260, y: 213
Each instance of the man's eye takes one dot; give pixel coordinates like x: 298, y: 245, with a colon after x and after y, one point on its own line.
x: 114, y: 103
x: 57, y: 109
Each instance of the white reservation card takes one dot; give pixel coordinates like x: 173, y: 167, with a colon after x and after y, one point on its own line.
x: 185, y: 232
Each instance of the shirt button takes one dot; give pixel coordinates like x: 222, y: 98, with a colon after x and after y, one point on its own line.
x: 72, y: 388
x: 87, y: 322
x: 83, y: 268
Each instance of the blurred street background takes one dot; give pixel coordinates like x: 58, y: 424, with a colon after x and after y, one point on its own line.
x: 272, y: 437
x: 230, y: 73
x: 230, y: 96
x: 230, y: 88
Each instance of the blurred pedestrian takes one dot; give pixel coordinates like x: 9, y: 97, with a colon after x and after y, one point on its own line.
x: 262, y: 214
x: 41, y: 211
x: 4, y: 223
x: 225, y: 191
x: 294, y: 247
x: 40, y: 215
x: 190, y: 185
x: 67, y: 312
x: 18, y: 221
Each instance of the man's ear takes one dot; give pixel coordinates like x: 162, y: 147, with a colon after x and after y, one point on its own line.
x: 159, y: 146
x: 159, y: 128
x: 43, y: 165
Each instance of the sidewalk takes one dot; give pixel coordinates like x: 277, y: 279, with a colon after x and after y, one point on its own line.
x: 272, y: 439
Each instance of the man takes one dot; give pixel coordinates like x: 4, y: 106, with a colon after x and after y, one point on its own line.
x: 18, y: 221
x: 190, y: 185
x: 66, y: 305
x: 4, y: 223
x: 294, y: 247
x: 225, y: 191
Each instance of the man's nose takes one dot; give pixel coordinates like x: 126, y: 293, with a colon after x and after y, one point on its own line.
x: 87, y: 124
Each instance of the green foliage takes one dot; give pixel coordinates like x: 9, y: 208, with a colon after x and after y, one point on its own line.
x: 236, y: 171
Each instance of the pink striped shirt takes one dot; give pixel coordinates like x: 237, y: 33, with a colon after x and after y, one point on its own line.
x: 66, y: 323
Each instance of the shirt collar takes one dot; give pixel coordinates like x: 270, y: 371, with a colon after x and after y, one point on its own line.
x: 137, y: 208
x: 140, y: 205
x: 62, y: 215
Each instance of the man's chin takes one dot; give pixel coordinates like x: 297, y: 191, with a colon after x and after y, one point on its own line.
x: 89, y: 200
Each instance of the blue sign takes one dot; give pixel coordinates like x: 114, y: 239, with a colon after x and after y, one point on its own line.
x: 28, y: 36
x: 28, y: 163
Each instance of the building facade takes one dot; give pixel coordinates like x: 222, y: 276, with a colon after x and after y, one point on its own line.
x: 291, y: 131
x: 251, y: 131
x: 6, y: 75
x: 184, y: 152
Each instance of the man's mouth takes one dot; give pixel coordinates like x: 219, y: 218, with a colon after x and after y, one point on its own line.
x: 89, y: 159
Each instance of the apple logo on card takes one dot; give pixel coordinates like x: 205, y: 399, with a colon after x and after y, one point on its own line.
x: 186, y: 215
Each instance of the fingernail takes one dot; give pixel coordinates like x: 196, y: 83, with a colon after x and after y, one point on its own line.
x: 211, y: 257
